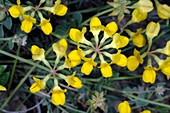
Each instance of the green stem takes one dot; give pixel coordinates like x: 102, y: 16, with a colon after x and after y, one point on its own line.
x: 5, y: 39
x: 136, y: 98
x: 18, y: 86
x: 73, y: 109
x: 24, y: 60
x: 13, y: 69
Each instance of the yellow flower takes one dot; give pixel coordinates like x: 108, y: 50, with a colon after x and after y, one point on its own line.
x: 37, y: 85
x: 146, y: 111
x: 75, y: 57
x: 152, y: 29
x: 149, y: 75
x: 46, y: 26
x: 76, y: 35
x: 59, y: 9
x: 106, y: 69
x: 119, y: 59
x: 119, y: 41
x: 110, y: 29
x: 60, y: 47
x: 138, y: 15
x: 166, y: 49
x: 124, y: 107
x: 165, y: 67
x: 145, y: 5
x: 96, y: 26
x: 133, y: 61
x: 16, y: 10
x: 37, y: 53
x: 163, y: 10
x: 137, y: 38
x: 2, y: 88
x: 73, y: 81
x: 58, y: 96
x: 87, y: 67
x: 27, y: 23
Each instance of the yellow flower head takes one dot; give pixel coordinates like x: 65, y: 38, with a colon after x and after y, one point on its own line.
x: 137, y: 38
x: 110, y: 29
x: 73, y: 81
x: 46, y: 26
x: 152, y: 29
x: 37, y: 85
x: 133, y: 61
x: 96, y: 26
x: 76, y: 35
x: 60, y: 47
x: 27, y: 23
x: 58, y: 96
x: 119, y: 59
x: 37, y: 53
x: 145, y: 5
x: 166, y: 49
x: 88, y: 66
x: 149, y: 75
x: 163, y: 10
x: 138, y: 15
x: 124, y: 107
x: 146, y: 111
x: 2, y: 88
x: 119, y: 41
x: 75, y: 57
x: 106, y: 69
x: 16, y: 10
x: 59, y: 9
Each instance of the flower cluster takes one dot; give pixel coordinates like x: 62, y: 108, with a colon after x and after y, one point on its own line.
x: 94, y: 52
x: 58, y: 94
x: 27, y: 15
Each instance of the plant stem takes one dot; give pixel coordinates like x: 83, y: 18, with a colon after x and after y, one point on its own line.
x: 13, y: 69
x: 24, y: 60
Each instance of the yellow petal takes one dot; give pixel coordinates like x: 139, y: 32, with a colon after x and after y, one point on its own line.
x: 34, y: 88
x: 145, y: 5
x: 138, y: 16
x: 87, y: 68
x: 166, y: 49
x: 110, y: 29
x: 149, y: 75
x: 122, y: 62
x: 132, y: 63
x: 15, y: 11
x: 37, y: 53
x: 2, y: 88
x: 96, y: 26
x: 106, y: 70
x: 58, y: 96
x: 146, y: 111
x: 138, y: 39
x: 138, y: 56
x: 124, y: 107
x: 152, y: 29
x: 46, y: 26
x: 119, y: 41
x: 76, y: 35
x: 62, y: 10
x: 26, y: 26
x: 163, y: 11
x: 75, y: 57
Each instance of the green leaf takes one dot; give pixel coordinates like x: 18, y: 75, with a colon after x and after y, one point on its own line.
x: 4, y: 78
x: 78, y: 18
x: 2, y: 68
x: 1, y: 31
x: 8, y: 23
x: 10, y: 44
x: 141, y: 103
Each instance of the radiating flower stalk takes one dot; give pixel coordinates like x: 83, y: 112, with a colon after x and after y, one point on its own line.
x: 58, y: 94
x: 27, y: 15
x: 94, y: 53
